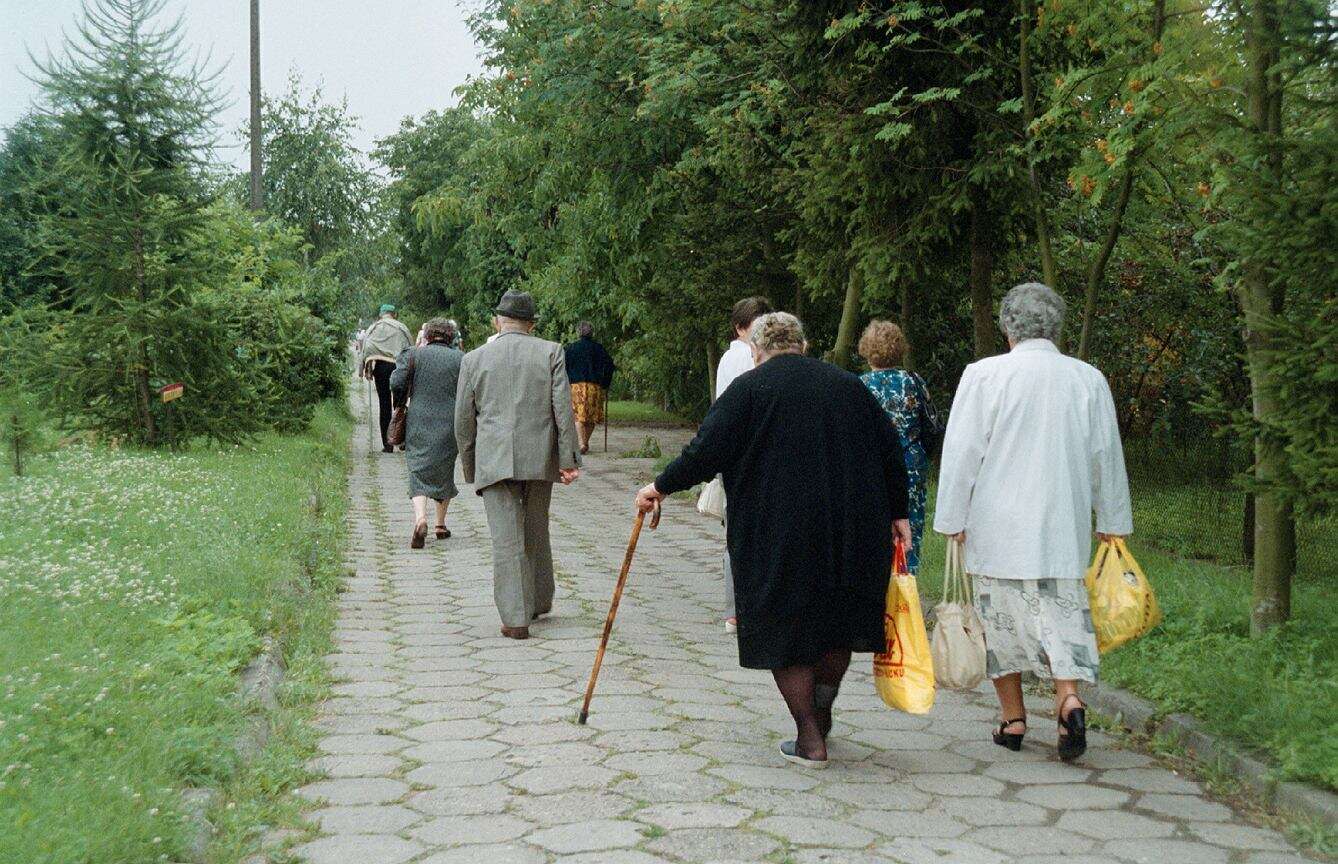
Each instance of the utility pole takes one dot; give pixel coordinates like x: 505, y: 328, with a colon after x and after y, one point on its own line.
x: 257, y: 190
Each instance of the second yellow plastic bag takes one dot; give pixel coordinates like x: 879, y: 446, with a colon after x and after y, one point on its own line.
x: 1123, y: 605
x: 904, y: 671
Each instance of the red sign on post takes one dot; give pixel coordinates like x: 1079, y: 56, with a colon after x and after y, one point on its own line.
x: 172, y: 391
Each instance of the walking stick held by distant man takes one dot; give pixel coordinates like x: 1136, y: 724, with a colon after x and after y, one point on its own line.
x: 613, y: 607
x: 606, y: 423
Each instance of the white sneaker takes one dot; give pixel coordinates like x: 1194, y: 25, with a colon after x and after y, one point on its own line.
x: 731, y: 625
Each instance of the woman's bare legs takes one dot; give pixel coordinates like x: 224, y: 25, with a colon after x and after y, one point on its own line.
x: 442, y: 507
x: 419, y: 510
x: 1009, y: 690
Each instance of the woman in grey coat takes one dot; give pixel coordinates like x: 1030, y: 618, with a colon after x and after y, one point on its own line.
x: 430, y: 371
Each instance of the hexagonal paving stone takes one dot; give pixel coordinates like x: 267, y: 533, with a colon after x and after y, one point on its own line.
x: 1163, y: 851
x: 499, y: 853
x: 362, y: 848
x: 1184, y: 807
x: 467, y: 750
x: 938, y: 851
x: 762, y: 777
x: 588, y: 836
x: 450, y: 730
x: 448, y: 774
x: 693, y: 815
x: 933, y: 823
x: 1113, y: 825
x: 465, y: 800
x: 644, y: 764
x: 709, y: 844
x: 355, y: 790
x: 1032, y: 773
x: 1073, y: 796
x: 897, y: 796
x: 993, y: 811
x: 803, y: 831
x: 368, y: 765
x: 1150, y: 780
x: 562, y: 808
x: 957, y: 784
x: 782, y: 802
x: 1029, y: 840
x: 559, y: 778
x: 366, y: 819
x: 460, y: 830
x: 1240, y: 837
x: 342, y: 745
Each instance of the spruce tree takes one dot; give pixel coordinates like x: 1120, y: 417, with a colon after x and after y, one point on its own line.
x: 138, y: 117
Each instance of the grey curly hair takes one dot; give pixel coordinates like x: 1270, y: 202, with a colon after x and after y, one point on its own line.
x: 1032, y: 311
x: 777, y: 333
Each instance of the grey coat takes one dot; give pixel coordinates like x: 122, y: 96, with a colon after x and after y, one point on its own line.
x: 429, y: 435
x: 513, y: 418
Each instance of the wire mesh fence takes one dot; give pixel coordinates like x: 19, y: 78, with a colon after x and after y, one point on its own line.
x: 1187, y: 501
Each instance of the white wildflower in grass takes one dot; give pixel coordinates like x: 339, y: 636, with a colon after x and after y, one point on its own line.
x: 134, y: 586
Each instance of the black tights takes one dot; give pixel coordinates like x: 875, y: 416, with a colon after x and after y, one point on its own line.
x: 809, y: 692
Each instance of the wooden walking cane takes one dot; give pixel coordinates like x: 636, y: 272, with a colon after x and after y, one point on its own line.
x: 613, y: 607
x: 606, y: 422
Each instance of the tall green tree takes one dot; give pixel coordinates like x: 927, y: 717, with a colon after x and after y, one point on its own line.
x: 138, y: 119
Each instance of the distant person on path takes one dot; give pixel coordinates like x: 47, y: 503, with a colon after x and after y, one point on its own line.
x: 1032, y: 448
x: 431, y: 371
x: 590, y: 370
x: 903, y: 396
x: 517, y: 437
x: 816, y: 482
x: 737, y: 360
x: 384, y: 340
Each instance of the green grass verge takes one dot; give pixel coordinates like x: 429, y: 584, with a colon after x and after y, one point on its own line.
x: 135, y: 586
x: 631, y: 413
x: 1277, y: 695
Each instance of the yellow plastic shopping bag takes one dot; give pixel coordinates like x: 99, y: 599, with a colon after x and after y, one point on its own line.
x: 904, y: 671
x: 1123, y: 605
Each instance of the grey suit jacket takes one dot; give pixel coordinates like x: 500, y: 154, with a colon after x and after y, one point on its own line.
x: 513, y: 417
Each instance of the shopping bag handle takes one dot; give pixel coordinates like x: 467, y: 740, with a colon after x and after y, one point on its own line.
x: 899, y: 566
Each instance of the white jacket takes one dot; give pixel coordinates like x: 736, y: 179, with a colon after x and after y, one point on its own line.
x: 1032, y: 448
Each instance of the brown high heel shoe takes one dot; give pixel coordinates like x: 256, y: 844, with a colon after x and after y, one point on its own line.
x: 443, y: 533
x: 419, y: 536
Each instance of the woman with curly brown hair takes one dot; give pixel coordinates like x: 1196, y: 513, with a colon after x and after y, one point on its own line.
x: 905, y: 398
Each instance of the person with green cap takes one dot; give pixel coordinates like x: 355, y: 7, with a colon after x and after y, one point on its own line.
x: 381, y: 344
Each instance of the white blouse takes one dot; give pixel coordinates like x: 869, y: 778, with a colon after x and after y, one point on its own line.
x: 1032, y: 448
x: 737, y: 360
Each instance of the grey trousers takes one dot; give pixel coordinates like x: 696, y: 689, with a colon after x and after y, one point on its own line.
x: 522, y: 556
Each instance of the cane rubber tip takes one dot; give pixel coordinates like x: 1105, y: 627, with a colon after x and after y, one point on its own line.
x: 584, y: 716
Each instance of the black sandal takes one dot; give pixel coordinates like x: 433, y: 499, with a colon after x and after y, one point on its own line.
x: 443, y: 533
x: 1011, y: 740
x: 1073, y: 744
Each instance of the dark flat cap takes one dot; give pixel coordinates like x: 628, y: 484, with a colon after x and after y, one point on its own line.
x: 516, y: 304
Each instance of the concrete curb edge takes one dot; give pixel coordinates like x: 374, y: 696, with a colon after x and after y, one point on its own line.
x: 258, y: 686
x: 1288, y: 797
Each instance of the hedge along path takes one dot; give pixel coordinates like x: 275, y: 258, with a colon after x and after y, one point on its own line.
x: 446, y: 743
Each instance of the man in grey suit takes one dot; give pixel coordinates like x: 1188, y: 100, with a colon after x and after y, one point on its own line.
x: 517, y: 437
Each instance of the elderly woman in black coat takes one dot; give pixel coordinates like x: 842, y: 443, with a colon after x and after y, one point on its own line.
x: 816, y: 485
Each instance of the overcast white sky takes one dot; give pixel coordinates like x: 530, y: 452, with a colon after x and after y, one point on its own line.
x: 391, y: 58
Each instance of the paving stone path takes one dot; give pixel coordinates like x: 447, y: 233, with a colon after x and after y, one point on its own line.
x: 446, y: 743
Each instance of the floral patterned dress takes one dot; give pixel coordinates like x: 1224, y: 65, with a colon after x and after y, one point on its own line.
x: 900, y: 392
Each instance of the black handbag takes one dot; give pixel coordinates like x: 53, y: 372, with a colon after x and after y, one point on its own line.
x: 931, y: 427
